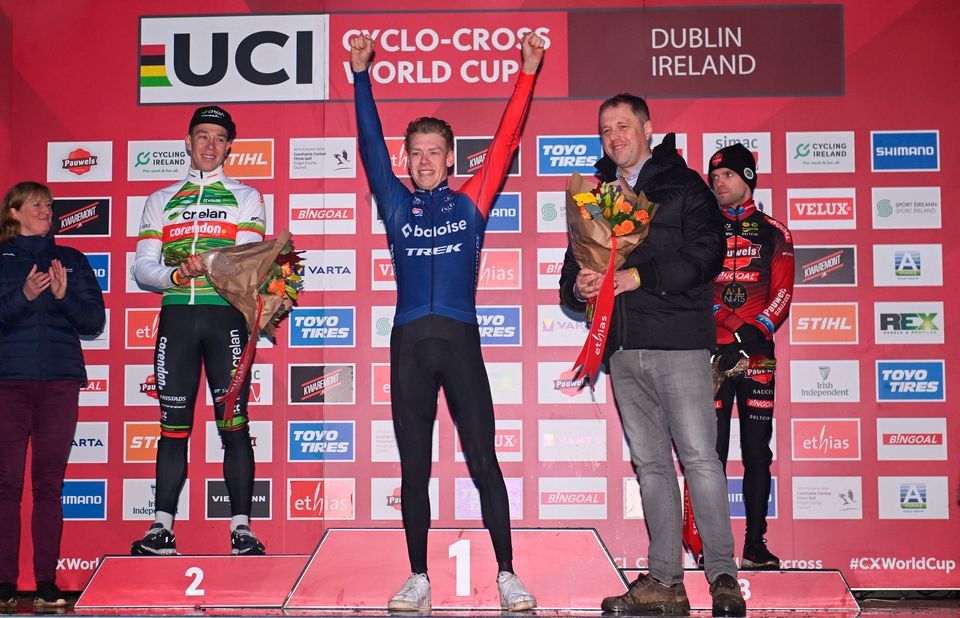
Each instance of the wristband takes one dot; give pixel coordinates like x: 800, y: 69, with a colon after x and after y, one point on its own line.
x: 175, y: 277
x: 636, y: 276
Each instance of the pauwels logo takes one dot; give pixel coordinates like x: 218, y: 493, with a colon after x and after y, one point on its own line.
x: 81, y: 216
x: 79, y: 161
x: 233, y: 58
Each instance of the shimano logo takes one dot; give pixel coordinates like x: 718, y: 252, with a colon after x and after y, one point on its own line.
x: 451, y: 227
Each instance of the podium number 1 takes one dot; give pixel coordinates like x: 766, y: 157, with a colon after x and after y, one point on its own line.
x: 194, y: 589
x: 461, y: 551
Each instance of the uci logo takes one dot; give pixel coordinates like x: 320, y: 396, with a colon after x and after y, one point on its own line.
x: 237, y: 58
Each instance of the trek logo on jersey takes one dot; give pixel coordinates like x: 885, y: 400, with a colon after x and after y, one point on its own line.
x: 141, y: 328
x: 821, y: 209
x: 557, y: 326
x: 321, y: 441
x: 89, y: 443
x: 912, y: 439
x: 321, y: 498
x: 140, y: 441
x: 79, y: 161
x: 507, y: 441
x: 826, y: 439
x: 907, y: 265
x: 499, y: 269
x: 499, y: 326
x: 904, y: 208
x: 323, y: 157
x: 382, y: 274
x: 504, y: 214
x: 471, y: 152
x: 825, y: 381
x: 323, y: 213
x: 909, y: 322
x: 905, y: 151
x: 572, y: 498
x: 81, y: 216
x: 249, y: 158
x: 827, y: 497
x: 833, y: 266
x: 157, y: 160
x: 218, y: 499
x: 562, y: 155
x: 233, y: 58
x: 738, y: 508
x: 97, y: 390
x: 328, y: 270
x: 823, y: 323
x: 322, y: 327
x: 84, y: 500
x: 757, y: 143
x: 322, y: 384
x: 813, y: 152
x: 913, y: 497
x: 551, y: 211
x: 910, y: 380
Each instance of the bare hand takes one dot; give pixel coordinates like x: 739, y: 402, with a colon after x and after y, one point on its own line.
x: 361, y: 49
x: 192, y: 267
x: 624, y: 281
x: 58, y: 279
x: 531, y: 50
x: 588, y: 283
x: 35, y: 284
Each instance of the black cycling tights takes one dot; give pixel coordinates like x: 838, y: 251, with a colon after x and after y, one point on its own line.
x: 188, y: 336
x: 426, y: 354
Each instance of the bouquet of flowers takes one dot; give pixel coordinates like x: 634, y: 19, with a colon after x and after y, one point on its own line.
x: 605, y: 224
x: 262, y: 280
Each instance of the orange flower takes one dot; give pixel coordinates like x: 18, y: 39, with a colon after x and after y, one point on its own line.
x: 287, y: 270
x: 277, y: 287
x: 623, y: 205
x: 642, y: 216
x: 625, y: 228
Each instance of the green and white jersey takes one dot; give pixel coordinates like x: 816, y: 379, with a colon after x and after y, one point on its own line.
x: 205, y: 211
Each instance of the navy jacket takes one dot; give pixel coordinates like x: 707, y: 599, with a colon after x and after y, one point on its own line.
x: 40, y: 340
x: 673, y: 309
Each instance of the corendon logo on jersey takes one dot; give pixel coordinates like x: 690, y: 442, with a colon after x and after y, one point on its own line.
x: 205, y: 229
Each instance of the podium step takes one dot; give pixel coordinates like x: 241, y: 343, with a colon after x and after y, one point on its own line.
x: 824, y: 590
x: 173, y: 582
x: 564, y: 568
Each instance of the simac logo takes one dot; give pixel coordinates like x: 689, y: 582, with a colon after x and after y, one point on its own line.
x: 233, y: 58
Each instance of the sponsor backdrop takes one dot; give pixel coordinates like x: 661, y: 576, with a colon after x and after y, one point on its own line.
x: 849, y: 116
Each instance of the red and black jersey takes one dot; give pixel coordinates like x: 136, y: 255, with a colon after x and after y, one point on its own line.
x: 756, y: 284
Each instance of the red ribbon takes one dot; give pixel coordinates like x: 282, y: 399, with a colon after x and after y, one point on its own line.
x: 592, y: 353
x: 691, y: 536
x: 229, y: 399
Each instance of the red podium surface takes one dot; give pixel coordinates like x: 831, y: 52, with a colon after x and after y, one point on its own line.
x: 775, y: 590
x: 362, y: 567
x: 191, y: 581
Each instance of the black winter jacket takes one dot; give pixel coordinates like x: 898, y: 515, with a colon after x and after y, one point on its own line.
x: 677, y: 263
x: 39, y: 340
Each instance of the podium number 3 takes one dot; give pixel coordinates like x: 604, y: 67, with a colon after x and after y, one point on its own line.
x: 461, y: 551
x: 194, y: 589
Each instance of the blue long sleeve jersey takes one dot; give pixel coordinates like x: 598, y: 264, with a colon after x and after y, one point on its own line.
x: 435, y: 236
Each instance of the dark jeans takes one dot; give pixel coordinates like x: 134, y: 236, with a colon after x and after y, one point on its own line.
x: 46, y: 414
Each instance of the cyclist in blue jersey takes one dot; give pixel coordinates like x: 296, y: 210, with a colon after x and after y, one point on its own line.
x: 435, y: 236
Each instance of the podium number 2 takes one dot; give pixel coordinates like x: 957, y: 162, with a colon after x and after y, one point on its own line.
x: 461, y: 551
x: 194, y: 589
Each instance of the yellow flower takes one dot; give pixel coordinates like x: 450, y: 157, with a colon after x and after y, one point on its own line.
x: 585, y: 198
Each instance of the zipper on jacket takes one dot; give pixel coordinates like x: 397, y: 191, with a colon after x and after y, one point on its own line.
x: 196, y: 235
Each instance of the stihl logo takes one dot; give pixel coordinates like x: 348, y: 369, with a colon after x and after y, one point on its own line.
x: 140, y: 442
x: 823, y: 323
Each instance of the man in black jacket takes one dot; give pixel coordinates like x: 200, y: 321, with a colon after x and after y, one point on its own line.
x: 662, y: 334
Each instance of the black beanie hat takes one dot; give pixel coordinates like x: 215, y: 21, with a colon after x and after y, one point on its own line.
x: 213, y: 114
x: 737, y: 158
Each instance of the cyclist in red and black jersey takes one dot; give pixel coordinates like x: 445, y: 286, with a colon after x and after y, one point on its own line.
x: 752, y: 297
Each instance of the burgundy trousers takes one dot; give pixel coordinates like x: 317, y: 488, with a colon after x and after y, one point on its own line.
x: 44, y: 413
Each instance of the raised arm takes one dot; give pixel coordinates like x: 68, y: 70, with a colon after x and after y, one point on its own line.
x: 373, y: 149
x: 483, y: 186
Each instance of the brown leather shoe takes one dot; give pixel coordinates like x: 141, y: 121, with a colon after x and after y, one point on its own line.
x: 727, y: 598
x: 648, y: 596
